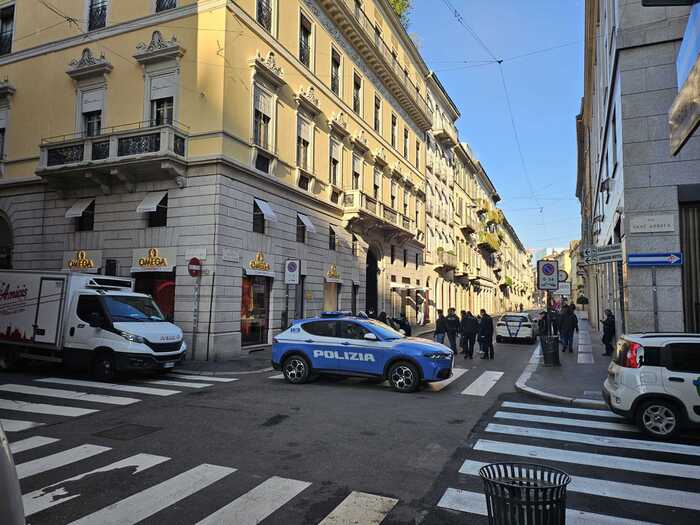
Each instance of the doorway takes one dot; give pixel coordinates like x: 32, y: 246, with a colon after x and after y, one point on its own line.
x: 160, y: 286
x: 371, y: 297
x: 690, y: 246
x: 255, y: 310
x: 6, y: 244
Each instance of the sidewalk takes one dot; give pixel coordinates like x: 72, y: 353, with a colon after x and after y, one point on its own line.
x: 579, y: 379
x: 248, y: 363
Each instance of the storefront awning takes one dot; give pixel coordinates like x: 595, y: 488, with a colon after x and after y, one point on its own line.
x: 307, y: 222
x: 78, y: 208
x: 336, y: 280
x: 150, y: 203
x: 266, y: 210
x: 258, y: 273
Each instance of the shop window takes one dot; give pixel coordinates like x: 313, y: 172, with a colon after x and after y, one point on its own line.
x: 160, y: 216
x: 86, y: 221
x: 255, y: 310
x: 331, y: 238
x: 258, y: 219
x: 301, y: 230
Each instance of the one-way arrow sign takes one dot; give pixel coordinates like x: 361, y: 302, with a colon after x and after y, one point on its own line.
x: 655, y: 259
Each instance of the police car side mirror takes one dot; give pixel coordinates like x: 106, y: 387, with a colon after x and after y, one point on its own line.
x: 370, y: 336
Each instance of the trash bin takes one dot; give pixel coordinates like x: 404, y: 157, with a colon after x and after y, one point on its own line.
x: 550, y: 350
x: 524, y: 494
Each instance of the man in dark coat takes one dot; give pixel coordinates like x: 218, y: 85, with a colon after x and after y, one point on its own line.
x: 440, y: 327
x: 405, y: 325
x: 452, y: 328
x: 486, y: 335
x: 568, y: 324
x: 468, y: 328
x: 608, y: 332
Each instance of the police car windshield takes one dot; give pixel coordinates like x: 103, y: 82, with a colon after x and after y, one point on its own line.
x: 385, y: 331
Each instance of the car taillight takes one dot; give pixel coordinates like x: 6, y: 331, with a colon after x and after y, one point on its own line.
x: 633, y: 356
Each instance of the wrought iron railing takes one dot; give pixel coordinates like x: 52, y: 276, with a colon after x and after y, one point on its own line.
x: 5, y: 42
x: 65, y: 155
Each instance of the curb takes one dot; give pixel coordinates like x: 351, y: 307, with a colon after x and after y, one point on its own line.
x: 521, y: 386
x: 183, y: 371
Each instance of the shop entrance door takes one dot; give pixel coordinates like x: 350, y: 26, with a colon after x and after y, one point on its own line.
x: 255, y: 310
x: 160, y: 286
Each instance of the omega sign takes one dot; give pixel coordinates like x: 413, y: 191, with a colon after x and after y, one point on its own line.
x: 81, y: 262
x: 153, y: 259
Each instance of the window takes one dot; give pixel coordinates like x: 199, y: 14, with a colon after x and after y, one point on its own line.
x: 377, y: 186
x: 301, y: 230
x: 263, y: 14
x: 331, y: 238
x: 86, y: 221
x: 405, y: 143
x: 393, y: 194
x: 258, y: 219
x: 7, y: 24
x: 354, y: 246
x: 417, y: 262
x: 97, y: 14
x: 92, y: 123
x: 405, y: 258
x: 335, y: 163
x: 262, y: 118
x: 685, y: 357
x: 377, y: 114
x: 405, y: 202
x: 350, y: 330
x: 417, y: 154
x: 357, y: 94
x: 262, y: 163
x: 304, y: 182
x: 160, y: 216
x: 305, y: 41
x: 335, y: 72
x: 162, y: 111
x: 393, y: 130
x: 392, y: 253
x: 304, y: 133
x: 87, y: 306
x: 321, y: 328
x: 2, y: 144
x: 613, y: 141
x: 164, y: 5
x: 356, y: 172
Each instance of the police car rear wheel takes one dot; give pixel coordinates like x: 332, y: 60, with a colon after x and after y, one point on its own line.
x: 296, y: 369
x: 404, y: 377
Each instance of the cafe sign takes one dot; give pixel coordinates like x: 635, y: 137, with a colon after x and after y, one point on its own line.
x: 83, y: 261
x: 153, y: 260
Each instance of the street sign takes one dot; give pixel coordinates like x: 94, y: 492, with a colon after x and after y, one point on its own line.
x: 602, y: 254
x: 547, y: 275
x: 564, y: 289
x: 655, y: 259
x: 291, y: 271
x: 194, y: 267
x: 563, y: 276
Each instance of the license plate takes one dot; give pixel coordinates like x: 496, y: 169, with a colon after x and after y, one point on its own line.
x: 168, y: 365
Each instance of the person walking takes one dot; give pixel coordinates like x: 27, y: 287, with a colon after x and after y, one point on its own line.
x: 452, y: 328
x: 382, y: 318
x: 486, y: 335
x: 468, y: 327
x: 404, y: 324
x: 440, y: 327
x: 608, y: 332
x: 568, y: 324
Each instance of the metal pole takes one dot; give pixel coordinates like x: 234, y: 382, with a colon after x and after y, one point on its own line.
x: 195, y: 314
x: 211, y: 305
x: 654, y: 298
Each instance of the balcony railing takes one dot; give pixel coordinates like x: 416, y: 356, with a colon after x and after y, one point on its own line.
x: 447, y: 259
x: 489, y: 241
x: 356, y: 201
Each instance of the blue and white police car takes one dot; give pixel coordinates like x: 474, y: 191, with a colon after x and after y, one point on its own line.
x: 342, y: 344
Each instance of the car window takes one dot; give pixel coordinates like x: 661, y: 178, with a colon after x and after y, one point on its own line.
x: 514, y: 318
x: 385, y: 331
x: 321, y: 328
x: 350, y: 330
x: 684, y: 357
x: 87, y: 305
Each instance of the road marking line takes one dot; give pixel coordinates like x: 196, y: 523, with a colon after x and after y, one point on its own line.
x: 60, y: 459
x: 584, y: 359
x: 176, y: 375
x: 475, y: 503
x: 360, y: 507
x: 257, y: 504
x: 110, y: 386
x: 41, y: 408
x: 482, y: 384
x: 564, y: 421
x: 165, y: 382
x: 439, y: 385
x: 277, y: 376
x: 16, y: 425
x: 615, y: 489
x: 591, y: 439
x: 560, y: 409
x: 148, y: 502
x: 30, y: 443
x: 68, y: 394
x: 58, y: 493
x: 678, y: 470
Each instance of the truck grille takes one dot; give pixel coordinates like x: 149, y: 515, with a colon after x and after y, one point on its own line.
x: 165, y: 347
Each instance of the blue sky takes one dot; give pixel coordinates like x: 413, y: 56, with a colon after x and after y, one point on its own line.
x: 545, y: 91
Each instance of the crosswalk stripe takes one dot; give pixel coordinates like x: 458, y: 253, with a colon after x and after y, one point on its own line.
x: 212, y: 379
x: 58, y: 493
x: 360, y: 507
x: 475, y: 503
x: 16, y: 425
x: 60, y: 459
x: 148, y: 502
x: 484, y: 383
x: 662, y: 468
x: 32, y: 442
x: 166, y: 382
x: 67, y: 394
x: 584, y: 358
x: 277, y: 376
x: 558, y: 409
x: 257, y: 504
x: 109, y: 386
x: 456, y: 374
x: 41, y: 408
x: 583, y: 423
x: 592, y: 439
x: 615, y: 489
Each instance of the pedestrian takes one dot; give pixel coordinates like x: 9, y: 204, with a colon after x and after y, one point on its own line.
x: 440, y: 327
x: 382, y: 318
x: 372, y: 314
x: 486, y: 335
x: 452, y: 328
x: 568, y: 324
x: 404, y: 324
x: 542, y: 324
x: 608, y: 332
x: 521, y: 307
x: 469, y: 327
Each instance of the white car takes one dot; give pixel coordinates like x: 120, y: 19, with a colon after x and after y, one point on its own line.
x: 514, y: 326
x: 654, y: 379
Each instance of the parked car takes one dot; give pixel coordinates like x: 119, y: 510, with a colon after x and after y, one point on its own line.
x: 343, y: 344
x: 515, y: 326
x: 11, y: 509
x: 654, y: 379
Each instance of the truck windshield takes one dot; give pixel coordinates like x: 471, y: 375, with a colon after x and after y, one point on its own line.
x: 123, y: 308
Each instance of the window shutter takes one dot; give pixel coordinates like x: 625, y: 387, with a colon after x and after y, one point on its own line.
x: 304, y: 130
x: 335, y: 151
x: 356, y: 164
x: 92, y: 100
x: 163, y: 86
x: 263, y: 102
x: 3, y: 118
x: 393, y: 188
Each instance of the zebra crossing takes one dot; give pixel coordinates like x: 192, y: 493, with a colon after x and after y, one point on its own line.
x: 617, y: 476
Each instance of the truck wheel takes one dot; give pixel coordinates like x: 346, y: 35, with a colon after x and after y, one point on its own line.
x: 403, y: 377
x: 103, y: 367
x: 9, y: 359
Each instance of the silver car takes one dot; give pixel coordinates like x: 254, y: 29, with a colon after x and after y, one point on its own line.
x: 11, y: 508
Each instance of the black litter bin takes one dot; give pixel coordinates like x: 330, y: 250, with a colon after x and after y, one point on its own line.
x: 550, y: 350
x: 524, y: 494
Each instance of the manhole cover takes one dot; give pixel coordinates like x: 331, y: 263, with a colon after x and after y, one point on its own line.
x: 127, y: 432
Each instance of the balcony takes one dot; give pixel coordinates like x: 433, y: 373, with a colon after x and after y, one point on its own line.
x: 447, y: 260
x: 468, y: 223
x: 368, y: 215
x: 494, y: 217
x: 489, y: 241
x: 354, y: 23
x: 121, y: 154
x: 446, y: 134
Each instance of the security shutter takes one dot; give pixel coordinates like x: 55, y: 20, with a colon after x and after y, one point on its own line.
x: 163, y: 86
x: 304, y: 130
x: 3, y: 118
x: 263, y: 102
x: 92, y: 100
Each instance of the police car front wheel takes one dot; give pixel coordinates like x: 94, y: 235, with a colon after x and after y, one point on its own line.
x: 296, y: 369
x: 404, y: 377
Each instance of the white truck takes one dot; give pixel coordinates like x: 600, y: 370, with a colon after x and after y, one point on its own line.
x: 84, y: 321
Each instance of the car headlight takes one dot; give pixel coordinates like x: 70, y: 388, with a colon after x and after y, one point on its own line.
x: 437, y: 355
x: 132, y: 337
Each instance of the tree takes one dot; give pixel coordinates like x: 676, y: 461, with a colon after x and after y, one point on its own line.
x: 402, y: 8
x: 582, y: 300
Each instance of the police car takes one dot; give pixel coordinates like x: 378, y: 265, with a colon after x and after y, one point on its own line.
x: 515, y: 326
x: 339, y: 343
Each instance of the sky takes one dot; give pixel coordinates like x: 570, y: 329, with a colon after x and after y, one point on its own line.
x: 545, y: 89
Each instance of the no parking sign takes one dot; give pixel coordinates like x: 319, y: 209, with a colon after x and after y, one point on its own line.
x: 547, y: 275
